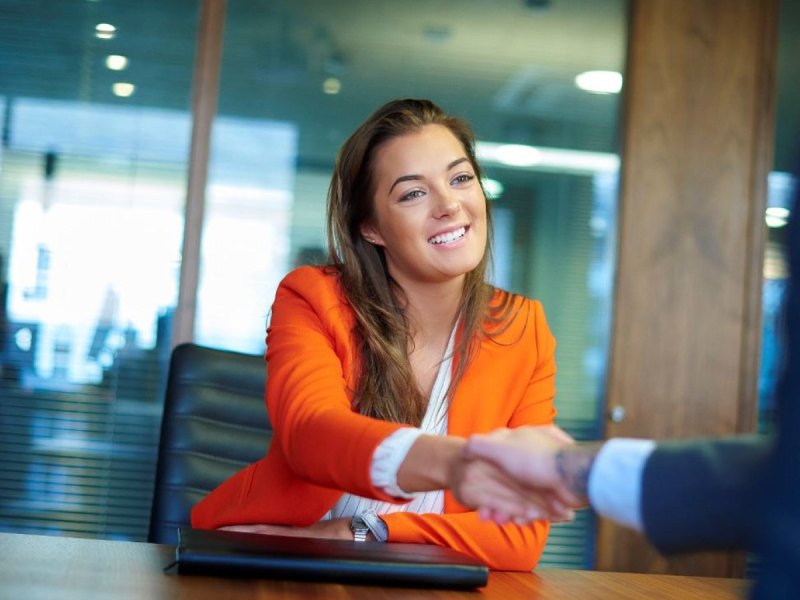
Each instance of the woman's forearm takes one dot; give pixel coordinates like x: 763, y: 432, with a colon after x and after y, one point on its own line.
x: 431, y: 463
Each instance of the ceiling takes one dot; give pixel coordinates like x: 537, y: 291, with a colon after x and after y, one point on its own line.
x: 507, y: 65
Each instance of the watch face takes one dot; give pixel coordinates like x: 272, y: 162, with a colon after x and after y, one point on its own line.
x: 359, y: 528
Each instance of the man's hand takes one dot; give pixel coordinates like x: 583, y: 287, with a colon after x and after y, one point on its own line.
x: 539, y: 473
x: 499, y: 497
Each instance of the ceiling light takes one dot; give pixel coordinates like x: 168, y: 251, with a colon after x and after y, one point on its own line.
x: 105, y: 31
x: 331, y: 85
x: 539, y: 158
x: 776, y: 216
x: 778, y: 212
x: 517, y: 155
x: 123, y: 89
x: 493, y: 188
x: 116, y: 62
x: 775, y: 222
x: 600, y: 82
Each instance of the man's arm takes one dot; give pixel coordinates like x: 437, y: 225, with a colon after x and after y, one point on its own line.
x: 574, y: 466
x: 701, y: 494
x: 684, y: 495
x: 549, y: 467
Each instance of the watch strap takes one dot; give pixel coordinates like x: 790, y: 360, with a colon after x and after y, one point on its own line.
x: 377, y: 526
x: 359, y: 528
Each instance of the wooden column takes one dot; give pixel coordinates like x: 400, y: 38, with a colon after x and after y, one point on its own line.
x: 205, y: 92
x: 697, y: 147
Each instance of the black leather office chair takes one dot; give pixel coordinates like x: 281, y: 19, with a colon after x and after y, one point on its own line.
x: 214, y: 423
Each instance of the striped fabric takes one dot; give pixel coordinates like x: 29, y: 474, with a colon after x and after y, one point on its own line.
x: 434, y: 422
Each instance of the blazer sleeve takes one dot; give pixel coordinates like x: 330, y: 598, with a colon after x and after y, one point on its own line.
x: 700, y: 494
x: 507, y: 547
x: 310, y: 373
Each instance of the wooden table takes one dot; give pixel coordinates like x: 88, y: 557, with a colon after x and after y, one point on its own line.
x: 43, y: 567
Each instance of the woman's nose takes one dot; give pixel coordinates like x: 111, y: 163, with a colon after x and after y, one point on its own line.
x: 446, y: 205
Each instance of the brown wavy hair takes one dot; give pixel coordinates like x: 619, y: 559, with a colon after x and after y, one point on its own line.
x: 387, y: 388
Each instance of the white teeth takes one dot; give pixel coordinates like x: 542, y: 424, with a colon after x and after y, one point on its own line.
x: 446, y: 238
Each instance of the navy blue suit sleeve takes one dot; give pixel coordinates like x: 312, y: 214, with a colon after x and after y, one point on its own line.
x: 699, y: 494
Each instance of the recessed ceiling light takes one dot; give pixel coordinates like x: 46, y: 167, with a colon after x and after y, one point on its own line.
x: 116, y: 62
x: 600, y: 82
x: 331, y: 85
x: 776, y: 216
x: 779, y: 212
x: 105, y: 31
x: 123, y: 89
x: 775, y: 222
x: 517, y: 155
x: 493, y: 188
x: 559, y: 160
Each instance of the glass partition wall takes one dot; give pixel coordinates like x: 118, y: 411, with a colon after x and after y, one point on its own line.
x: 298, y: 77
x: 92, y: 191
x: 781, y: 187
x: 94, y: 98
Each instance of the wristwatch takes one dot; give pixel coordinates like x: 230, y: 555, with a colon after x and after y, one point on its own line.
x: 359, y: 528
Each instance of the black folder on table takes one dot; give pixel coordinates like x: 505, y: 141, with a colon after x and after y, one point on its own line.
x: 235, y: 554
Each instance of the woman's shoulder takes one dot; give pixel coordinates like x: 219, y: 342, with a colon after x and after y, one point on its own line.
x: 309, y: 304
x: 511, y: 303
x: 308, y: 277
x: 513, y: 316
x: 317, y: 286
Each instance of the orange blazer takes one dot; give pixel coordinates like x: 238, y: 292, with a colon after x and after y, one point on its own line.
x: 322, y: 447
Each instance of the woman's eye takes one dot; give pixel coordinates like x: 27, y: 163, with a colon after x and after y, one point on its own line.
x: 411, y: 195
x: 463, y: 178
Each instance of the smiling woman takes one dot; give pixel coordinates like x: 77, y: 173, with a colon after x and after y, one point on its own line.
x: 432, y: 223
x: 381, y: 363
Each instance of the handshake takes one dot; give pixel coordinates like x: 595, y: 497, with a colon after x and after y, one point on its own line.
x: 523, y: 474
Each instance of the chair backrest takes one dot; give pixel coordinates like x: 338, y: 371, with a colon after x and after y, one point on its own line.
x: 215, y: 422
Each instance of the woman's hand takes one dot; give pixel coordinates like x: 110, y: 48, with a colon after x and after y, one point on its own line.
x: 523, y: 473
x: 333, y: 529
x: 500, y: 498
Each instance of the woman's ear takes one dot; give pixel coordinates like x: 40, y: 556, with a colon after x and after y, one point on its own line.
x: 369, y: 233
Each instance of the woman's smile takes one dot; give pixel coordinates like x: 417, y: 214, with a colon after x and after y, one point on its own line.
x: 449, y: 238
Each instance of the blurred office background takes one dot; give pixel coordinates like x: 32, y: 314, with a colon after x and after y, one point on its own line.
x: 96, y: 126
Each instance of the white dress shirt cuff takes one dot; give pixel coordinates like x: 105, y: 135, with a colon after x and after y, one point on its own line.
x: 388, y: 457
x: 615, y: 481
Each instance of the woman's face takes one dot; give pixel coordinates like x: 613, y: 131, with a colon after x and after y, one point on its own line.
x: 430, y: 211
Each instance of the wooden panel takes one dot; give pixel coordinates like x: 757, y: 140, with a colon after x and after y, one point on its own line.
x: 697, y: 149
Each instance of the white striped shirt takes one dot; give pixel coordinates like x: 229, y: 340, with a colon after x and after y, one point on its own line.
x: 390, y: 454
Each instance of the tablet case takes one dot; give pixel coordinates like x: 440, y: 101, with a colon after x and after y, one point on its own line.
x: 235, y: 554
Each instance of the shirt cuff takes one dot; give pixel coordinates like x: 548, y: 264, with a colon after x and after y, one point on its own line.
x: 615, y: 480
x: 388, y: 457
x: 377, y: 526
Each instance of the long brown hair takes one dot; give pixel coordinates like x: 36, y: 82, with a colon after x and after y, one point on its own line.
x: 386, y: 386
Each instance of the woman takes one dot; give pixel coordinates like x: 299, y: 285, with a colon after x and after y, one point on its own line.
x: 380, y: 365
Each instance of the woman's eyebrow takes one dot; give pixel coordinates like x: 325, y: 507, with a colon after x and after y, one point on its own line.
x: 405, y: 178
x: 456, y: 162
x: 420, y: 177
